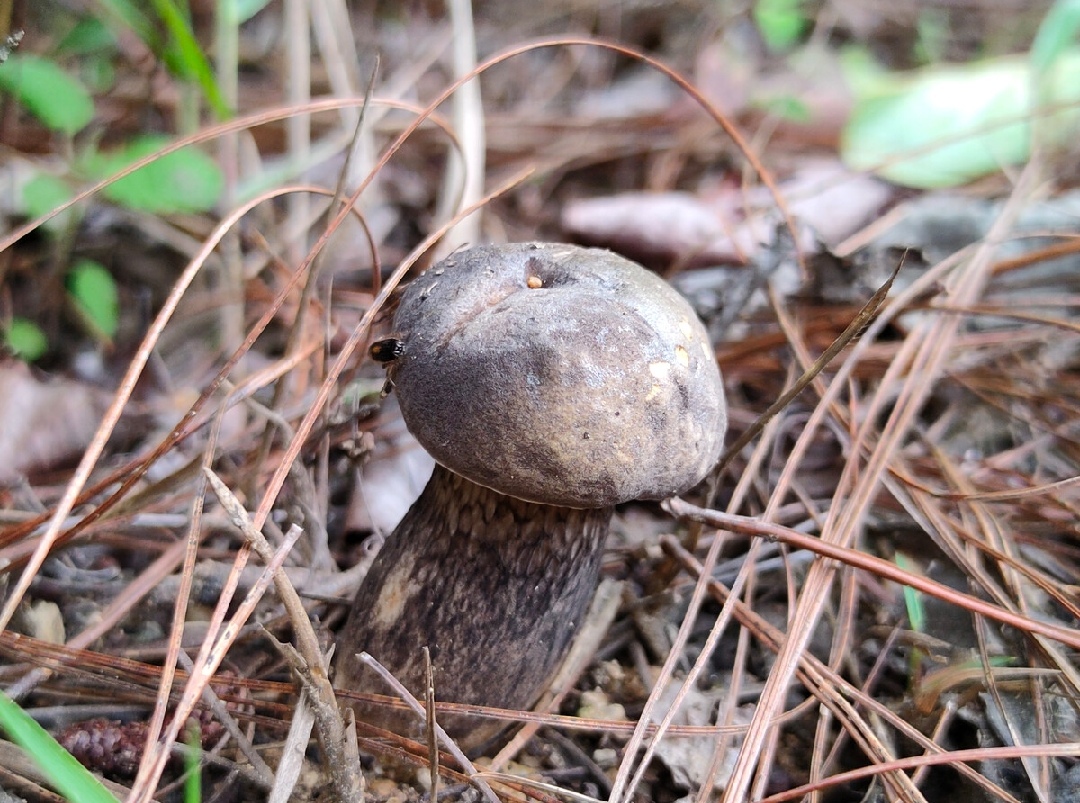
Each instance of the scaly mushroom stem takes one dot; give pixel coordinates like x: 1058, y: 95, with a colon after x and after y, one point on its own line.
x: 484, y: 580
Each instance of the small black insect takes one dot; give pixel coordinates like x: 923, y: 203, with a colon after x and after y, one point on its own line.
x: 387, y: 350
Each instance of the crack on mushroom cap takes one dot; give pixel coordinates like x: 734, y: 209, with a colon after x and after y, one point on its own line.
x: 550, y: 393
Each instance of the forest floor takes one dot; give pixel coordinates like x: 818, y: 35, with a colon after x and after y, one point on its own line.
x: 873, y: 596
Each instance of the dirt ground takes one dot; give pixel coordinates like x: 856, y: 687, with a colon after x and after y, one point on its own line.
x: 872, y: 596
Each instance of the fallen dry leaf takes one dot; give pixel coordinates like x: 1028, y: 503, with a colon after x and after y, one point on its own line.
x: 730, y: 225
x: 43, y: 421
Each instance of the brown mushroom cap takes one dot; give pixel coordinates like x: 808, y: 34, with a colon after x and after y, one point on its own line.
x: 558, y: 374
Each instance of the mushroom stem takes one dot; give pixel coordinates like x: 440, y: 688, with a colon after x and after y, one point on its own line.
x: 483, y: 580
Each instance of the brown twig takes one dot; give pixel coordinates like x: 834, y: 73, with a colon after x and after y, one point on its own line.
x: 346, y: 776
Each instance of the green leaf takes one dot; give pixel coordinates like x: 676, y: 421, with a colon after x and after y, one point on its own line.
x: 864, y: 76
x: 89, y: 35
x: 70, y: 778
x: 184, y: 181
x: 93, y: 290
x: 42, y: 194
x: 786, y: 107
x: 27, y: 342
x: 49, y: 93
x: 1057, y: 31
x: 781, y: 22
x: 944, y: 126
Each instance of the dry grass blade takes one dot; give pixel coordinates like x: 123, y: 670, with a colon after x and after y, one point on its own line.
x: 430, y: 728
x: 828, y: 686
x: 298, y: 126
x: 346, y: 775
x: 208, y: 661
x: 924, y: 354
x: 529, y: 783
x: 599, y: 618
x: 292, y: 754
x: 112, y: 416
x: 444, y: 738
x: 899, y: 765
x: 889, y: 582
x: 219, y: 642
x: 853, y: 330
x: 1008, y: 496
x: 882, y: 568
x: 463, y: 182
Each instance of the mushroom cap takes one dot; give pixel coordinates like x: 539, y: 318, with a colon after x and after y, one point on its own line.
x: 558, y: 374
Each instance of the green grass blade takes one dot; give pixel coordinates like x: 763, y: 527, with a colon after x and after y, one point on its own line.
x: 70, y: 778
x: 193, y: 61
x: 126, y: 13
x: 193, y: 764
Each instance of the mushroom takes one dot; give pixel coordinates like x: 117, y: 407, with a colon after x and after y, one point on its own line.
x: 550, y: 383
